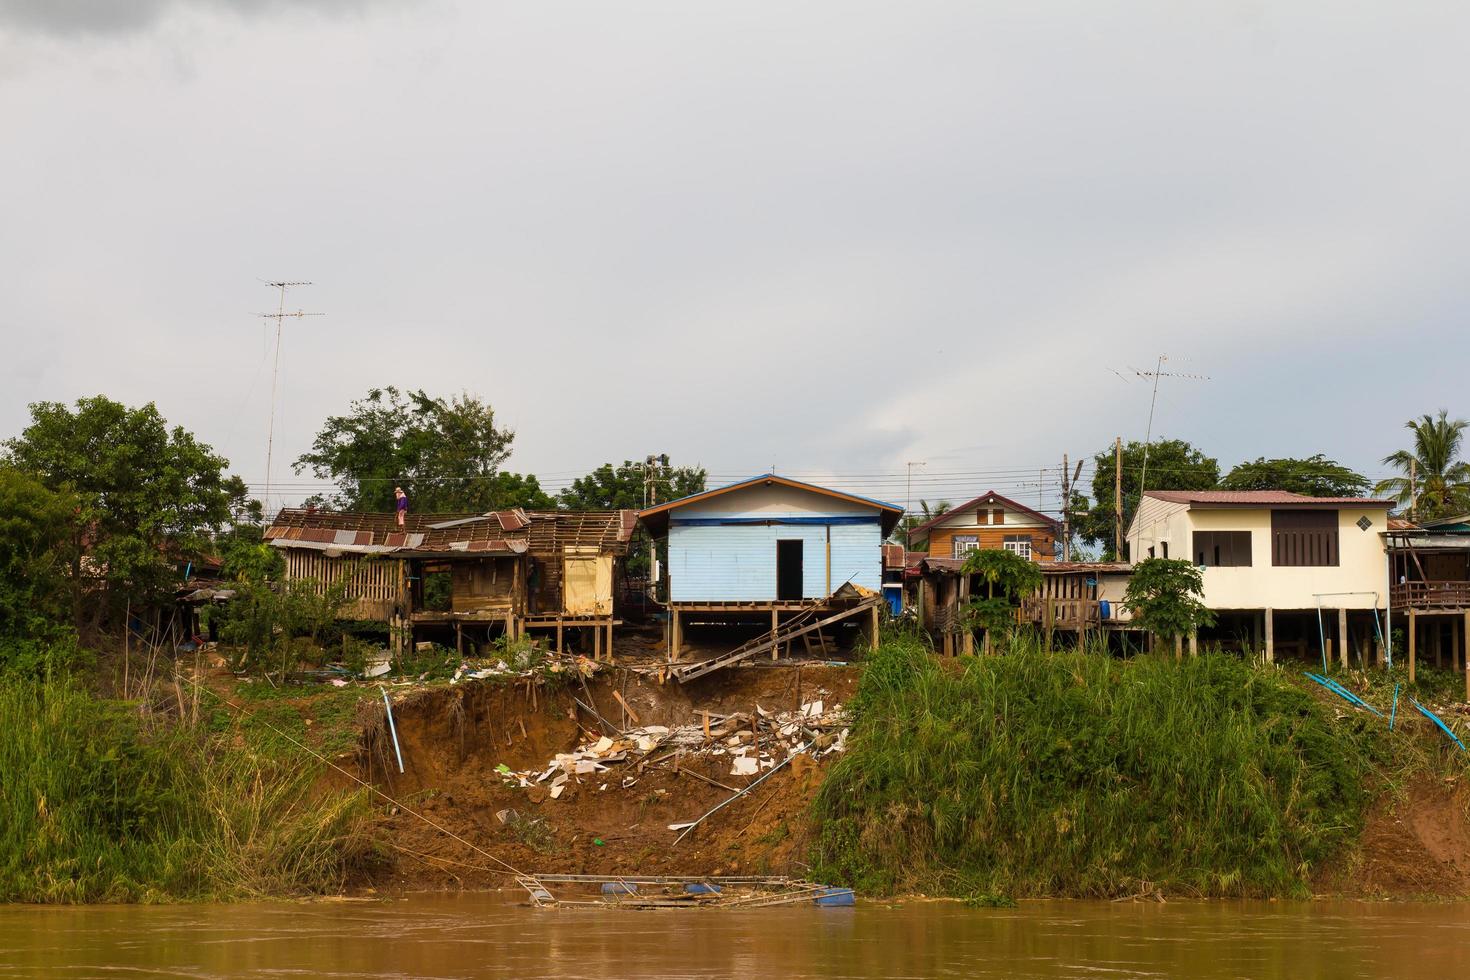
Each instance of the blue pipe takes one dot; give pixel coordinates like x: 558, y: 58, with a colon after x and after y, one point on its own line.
x: 1442, y: 726
x: 1395, y: 713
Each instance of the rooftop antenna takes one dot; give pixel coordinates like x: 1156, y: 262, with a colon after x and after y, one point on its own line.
x: 279, y: 316
x: 1157, y: 373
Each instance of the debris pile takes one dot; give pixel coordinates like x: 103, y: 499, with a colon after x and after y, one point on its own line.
x: 753, y: 743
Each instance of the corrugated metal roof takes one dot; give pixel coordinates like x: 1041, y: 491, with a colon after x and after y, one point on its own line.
x: 1259, y: 498
x: 507, y: 532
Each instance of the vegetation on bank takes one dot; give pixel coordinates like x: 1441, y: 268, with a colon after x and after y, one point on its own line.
x: 107, y: 801
x: 1080, y: 774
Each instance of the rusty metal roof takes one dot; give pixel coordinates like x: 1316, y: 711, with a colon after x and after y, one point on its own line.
x: 506, y: 532
x: 1259, y: 498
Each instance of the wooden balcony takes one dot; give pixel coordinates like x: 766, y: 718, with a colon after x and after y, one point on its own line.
x: 1431, y: 595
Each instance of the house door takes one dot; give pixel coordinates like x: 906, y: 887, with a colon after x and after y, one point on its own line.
x: 586, y: 582
x: 788, y: 571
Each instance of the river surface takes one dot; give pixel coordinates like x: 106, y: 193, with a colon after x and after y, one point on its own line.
x: 487, y: 935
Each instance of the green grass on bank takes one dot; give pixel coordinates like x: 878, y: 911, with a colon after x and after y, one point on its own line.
x: 1079, y: 774
x: 102, y: 802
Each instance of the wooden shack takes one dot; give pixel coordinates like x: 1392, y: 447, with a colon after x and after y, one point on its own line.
x: 477, y: 576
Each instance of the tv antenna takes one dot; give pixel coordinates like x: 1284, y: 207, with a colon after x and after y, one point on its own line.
x: 280, y: 317
x: 1157, y: 373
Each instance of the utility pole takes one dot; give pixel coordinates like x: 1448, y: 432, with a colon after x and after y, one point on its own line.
x: 1118, y: 499
x: 1067, y: 485
x: 270, y: 436
x: 1413, y: 492
x: 908, y: 506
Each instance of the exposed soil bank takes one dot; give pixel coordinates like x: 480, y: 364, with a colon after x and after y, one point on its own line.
x: 453, y: 739
x: 1415, y: 843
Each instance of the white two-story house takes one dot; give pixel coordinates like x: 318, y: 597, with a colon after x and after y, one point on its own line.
x: 1282, y: 571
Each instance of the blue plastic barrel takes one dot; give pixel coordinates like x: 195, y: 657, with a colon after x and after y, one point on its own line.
x: 835, y: 897
x: 1105, y: 609
x: 700, y: 888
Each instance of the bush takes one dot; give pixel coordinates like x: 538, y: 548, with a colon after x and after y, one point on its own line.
x: 1073, y: 774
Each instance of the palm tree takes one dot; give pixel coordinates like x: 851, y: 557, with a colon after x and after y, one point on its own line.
x: 1436, y: 482
x: 925, y: 514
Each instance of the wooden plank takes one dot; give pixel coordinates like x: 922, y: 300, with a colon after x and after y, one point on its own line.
x: 618, y: 697
x: 1270, y: 636
x: 1413, y: 641
x: 1342, y: 637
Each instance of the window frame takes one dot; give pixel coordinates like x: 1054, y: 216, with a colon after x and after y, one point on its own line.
x: 1306, y: 538
x: 954, y: 544
x: 1019, y: 544
x: 1222, y: 549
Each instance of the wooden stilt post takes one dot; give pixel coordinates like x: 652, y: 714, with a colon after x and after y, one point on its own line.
x: 1194, y: 643
x: 609, y: 641
x: 560, y: 647
x: 1465, y: 652
x: 775, y: 625
x: 1342, y: 637
x: 459, y: 638
x: 873, y: 640
x: 1437, y: 641
x: 597, y: 643
x: 1178, y: 647
x: 678, y: 636
x: 1455, y: 651
x: 1413, y: 641
x: 1270, y: 636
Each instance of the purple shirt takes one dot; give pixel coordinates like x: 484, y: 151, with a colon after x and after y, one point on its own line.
x: 403, y: 503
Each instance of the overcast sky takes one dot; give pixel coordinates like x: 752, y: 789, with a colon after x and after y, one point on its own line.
x: 833, y: 237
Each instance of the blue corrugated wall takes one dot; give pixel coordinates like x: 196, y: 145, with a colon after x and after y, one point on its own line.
x: 737, y: 562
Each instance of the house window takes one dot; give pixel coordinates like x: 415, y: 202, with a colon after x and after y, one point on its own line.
x: 997, y: 516
x: 1302, y: 538
x: 1165, y: 546
x: 1019, y: 544
x: 1222, y: 549
x: 963, y: 544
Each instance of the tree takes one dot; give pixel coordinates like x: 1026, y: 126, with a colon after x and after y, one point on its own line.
x: 623, y: 487
x: 1173, y: 464
x: 1014, y: 576
x: 1166, y: 597
x: 446, y: 454
x: 147, y: 496
x: 37, y: 531
x: 1315, y: 476
x: 1436, y: 482
x: 631, y: 486
x: 923, y: 515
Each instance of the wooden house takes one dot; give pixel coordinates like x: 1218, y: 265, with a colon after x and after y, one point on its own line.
x: 988, y: 521
x: 478, y: 575
x: 769, y: 545
x: 1429, y: 573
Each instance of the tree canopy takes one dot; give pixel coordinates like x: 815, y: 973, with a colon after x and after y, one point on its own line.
x: 37, y: 532
x: 1166, y: 597
x: 1441, y: 479
x: 926, y: 512
x: 1173, y: 464
x: 622, y: 487
x: 146, y: 496
x: 1315, y: 476
x: 445, y: 453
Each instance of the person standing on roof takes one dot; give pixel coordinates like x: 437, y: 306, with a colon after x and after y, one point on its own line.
x: 402, y: 504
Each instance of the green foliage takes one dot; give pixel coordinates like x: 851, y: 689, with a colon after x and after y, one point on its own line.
x: 1441, y: 484
x: 1315, y: 476
x: 265, y: 621
x: 446, y: 454
x: 147, y: 496
x: 1172, y: 465
x: 99, y: 806
x: 249, y: 559
x: 1076, y: 774
x: 623, y: 488
x: 1005, y: 571
x: 37, y: 531
x: 1166, y: 596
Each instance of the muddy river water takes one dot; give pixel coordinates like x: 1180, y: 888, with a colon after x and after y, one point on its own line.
x: 487, y: 935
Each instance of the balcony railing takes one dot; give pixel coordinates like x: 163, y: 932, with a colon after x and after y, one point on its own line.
x: 1431, y: 595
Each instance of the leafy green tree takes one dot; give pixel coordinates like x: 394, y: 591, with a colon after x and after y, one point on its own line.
x: 1315, y: 476
x: 1441, y: 479
x: 445, y: 453
x: 147, y: 496
x: 1005, y: 572
x: 1166, y: 596
x: 1173, y: 464
x: 622, y: 487
x: 37, y: 531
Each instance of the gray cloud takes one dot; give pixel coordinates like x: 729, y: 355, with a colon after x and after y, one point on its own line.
x: 831, y: 236
x: 93, y: 18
